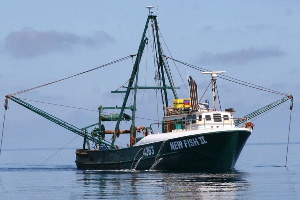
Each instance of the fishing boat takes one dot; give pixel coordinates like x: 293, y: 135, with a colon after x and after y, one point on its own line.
x: 192, y: 135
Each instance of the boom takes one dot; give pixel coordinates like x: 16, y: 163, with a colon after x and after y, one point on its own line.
x: 264, y: 109
x: 60, y: 122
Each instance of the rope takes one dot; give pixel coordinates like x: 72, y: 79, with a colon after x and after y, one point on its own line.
x: 54, y: 104
x: 251, y: 85
x: 234, y: 80
x: 107, y: 64
x: 2, y: 132
x: 58, y: 151
x: 205, y: 91
x: 154, y: 120
x: 173, y: 60
x: 122, y: 85
x: 287, y: 146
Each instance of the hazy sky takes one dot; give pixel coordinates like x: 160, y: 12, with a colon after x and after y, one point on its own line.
x: 42, y: 41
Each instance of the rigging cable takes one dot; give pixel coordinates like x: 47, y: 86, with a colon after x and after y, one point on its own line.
x: 60, y: 105
x: 2, y: 133
x: 288, y: 142
x: 205, y: 91
x: 73, y: 107
x: 157, y: 74
x: 145, y: 78
x: 107, y: 64
x: 159, y: 64
x: 167, y: 67
x: 3, y: 125
x: 234, y: 80
x: 219, y: 97
x: 169, y: 72
x: 57, y: 151
x: 173, y: 60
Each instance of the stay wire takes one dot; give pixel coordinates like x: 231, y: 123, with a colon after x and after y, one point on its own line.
x: 234, y: 80
x: 158, y: 64
x: 219, y: 97
x: 60, y: 105
x: 288, y: 142
x: 58, y: 151
x: 2, y: 135
x: 173, y: 60
x: 205, y: 91
x: 107, y: 64
x: 251, y: 85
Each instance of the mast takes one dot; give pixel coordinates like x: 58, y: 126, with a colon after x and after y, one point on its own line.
x: 163, y: 65
x: 133, y: 76
x: 214, y: 75
x: 133, y: 81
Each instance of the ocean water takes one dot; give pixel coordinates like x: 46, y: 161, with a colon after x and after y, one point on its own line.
x: 258, y: 174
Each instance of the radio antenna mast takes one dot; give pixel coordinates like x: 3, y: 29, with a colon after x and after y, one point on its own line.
x: 214, y: 75
x: 157, y: 10
x: 150, y: 7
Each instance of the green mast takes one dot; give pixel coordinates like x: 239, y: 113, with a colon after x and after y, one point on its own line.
x: 163, y: 66
x: 133, y: 81
x: 133, y: 76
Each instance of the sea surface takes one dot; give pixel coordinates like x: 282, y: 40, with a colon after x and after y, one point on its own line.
x: 258, y: 174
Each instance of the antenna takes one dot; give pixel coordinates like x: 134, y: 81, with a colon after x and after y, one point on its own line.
x: 149, y: 7
x: 157, y: 9
x: 214, y: 75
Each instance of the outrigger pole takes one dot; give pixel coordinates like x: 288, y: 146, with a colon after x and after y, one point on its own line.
x: 264, y: 110
x: 60, y: 122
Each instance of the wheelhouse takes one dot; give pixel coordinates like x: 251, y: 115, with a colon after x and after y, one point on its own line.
x: 197, y: 121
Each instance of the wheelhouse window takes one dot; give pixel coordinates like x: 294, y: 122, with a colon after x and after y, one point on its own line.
x: 194, y: 119
x: 200, y: 118
x: 226, y: 117
x: 207, y: 117
x: 191, y: 118
x: 217, y: 117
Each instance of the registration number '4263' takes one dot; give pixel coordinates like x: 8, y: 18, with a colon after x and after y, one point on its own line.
x: 148, y: 151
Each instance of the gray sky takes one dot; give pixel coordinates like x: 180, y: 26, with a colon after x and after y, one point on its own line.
x: 40, y: 42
